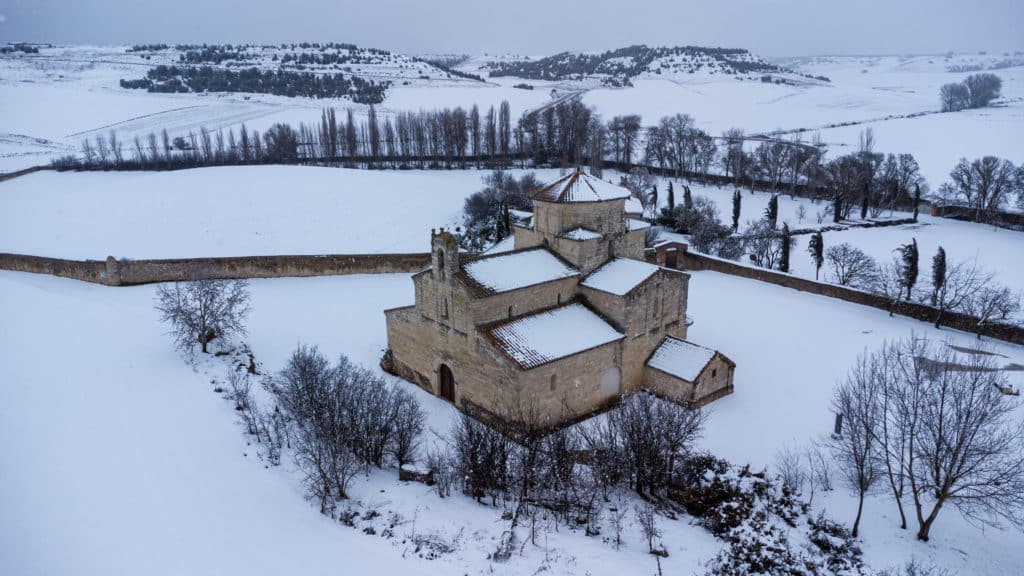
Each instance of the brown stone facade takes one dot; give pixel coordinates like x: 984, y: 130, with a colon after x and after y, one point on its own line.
x: 444, y: 342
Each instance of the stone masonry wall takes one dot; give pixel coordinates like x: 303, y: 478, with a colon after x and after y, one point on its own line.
x: 127, y: 272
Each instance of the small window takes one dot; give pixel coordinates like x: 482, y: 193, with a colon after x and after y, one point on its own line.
x: 558, y: 299
x: 440, y: 265
x: 714, y: 372
x: 444, y: 312
x: 554, y: 382
x: 509, y: 311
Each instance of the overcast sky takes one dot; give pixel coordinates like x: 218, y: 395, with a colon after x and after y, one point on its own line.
x: 533, y: 27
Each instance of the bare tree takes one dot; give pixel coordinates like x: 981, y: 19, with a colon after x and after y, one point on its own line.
x: 850, y: 266
x: 408, y: 421
x: 948, y: 433
x: 969, y: 448
x: 647, y: 518
x: 855, y: 447
x: 983, y: 184
x: 203, y: 309
x: 991, y: 304
x: 956, y: 286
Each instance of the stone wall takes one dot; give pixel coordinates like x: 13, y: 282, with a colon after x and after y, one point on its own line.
x: 1006, y: 332
x: 128, y: 272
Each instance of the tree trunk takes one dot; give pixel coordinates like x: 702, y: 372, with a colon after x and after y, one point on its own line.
x: 926, y: 525
x: 856, y: 522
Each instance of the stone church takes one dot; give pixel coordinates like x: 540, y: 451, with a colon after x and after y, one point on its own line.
x: 566, y: 320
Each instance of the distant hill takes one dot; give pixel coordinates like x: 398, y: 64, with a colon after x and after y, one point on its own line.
x: 317, y: 70
x: 619, y: 67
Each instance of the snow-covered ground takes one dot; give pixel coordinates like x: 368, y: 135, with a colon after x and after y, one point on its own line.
x: 996, y: 250
x: 231, y: 211
x: 122, y: 459
x: 69, y: 93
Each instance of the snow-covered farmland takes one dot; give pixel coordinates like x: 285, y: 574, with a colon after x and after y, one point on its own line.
x: 164, y: 483
x: 231, y: 211
x: 65, y: 94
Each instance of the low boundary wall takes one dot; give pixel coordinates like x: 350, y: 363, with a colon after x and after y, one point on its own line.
x: 125, y: 272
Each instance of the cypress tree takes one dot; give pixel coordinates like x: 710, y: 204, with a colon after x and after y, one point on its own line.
x: 687, y: 198
x: 736, y: 199
x: 864, y: 202
x: 816, y: 247
x: 654, y: 197
x: 938, y: 273
x: 787, y: 242
x: 909, y: 255
x: 671, y: 197
x: 771, y: 213
x: 917, y: 199
x: 837, y: 208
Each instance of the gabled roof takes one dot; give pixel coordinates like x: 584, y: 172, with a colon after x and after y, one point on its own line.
x: 514, y: 270
x: 556, y: 333
x: 620, y: 276
x: 580, y: 233
x: 682, y: 359
x: 577, y: 186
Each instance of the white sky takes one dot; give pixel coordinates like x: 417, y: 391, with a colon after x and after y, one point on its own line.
x: 533, y: 27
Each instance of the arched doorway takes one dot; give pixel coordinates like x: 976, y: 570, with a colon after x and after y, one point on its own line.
x: 447, y: 383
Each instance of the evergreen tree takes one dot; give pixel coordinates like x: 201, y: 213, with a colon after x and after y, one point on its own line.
x: 837, y: 208
x: 816, y: 247
x: 938, y: 273
x: 909, y: 257
x: 736, y: 200
x: 687, y: 198
x: 787, y: 244
x: 917, y: 199
x: 671, y: 197
x: 654, y: 197
x: 771, y: 213
x: 865, y: 199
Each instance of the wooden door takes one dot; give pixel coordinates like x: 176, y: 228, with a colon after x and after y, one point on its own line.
x: 447, y: 383
x: 671, y: 258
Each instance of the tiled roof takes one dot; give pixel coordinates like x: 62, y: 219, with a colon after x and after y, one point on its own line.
x: 514, y: 270
x: 620, y: 275
x: 540, y: 338
x: 579, y: 187
x: 680, y: 358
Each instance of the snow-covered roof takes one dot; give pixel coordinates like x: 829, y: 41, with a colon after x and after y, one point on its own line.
x: 632, y: 224
x: 521, y: 218
x: 680, y: 358
x: 620, y: 275
x: 540, y: 338
x: 506, y: 244
x: 581, y: 233
x: 579, y: 187
x: 634, y: 206
x: 517, y: 270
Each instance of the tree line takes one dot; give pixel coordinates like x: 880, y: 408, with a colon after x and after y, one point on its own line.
x: 289, y: 83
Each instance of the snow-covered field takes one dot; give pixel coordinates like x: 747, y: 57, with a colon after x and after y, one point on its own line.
x: 66, y: 94
x: 231, y: 211
x: 121, y: 459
